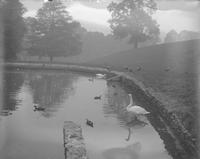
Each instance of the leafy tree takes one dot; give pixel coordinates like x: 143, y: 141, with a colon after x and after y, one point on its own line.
x: 53, y: 32
x: 188, y: 35
x: 13, y: 27
x: 171, y: 36
x: 132, y: 19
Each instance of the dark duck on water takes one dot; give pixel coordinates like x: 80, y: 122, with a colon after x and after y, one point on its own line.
x: 37, y: 108
x: 89, y: 123
x: 97, y: 97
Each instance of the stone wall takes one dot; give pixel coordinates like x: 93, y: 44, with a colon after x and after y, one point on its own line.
x: 73, y: 141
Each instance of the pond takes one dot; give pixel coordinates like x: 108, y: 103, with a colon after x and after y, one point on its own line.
x: 26, y: 133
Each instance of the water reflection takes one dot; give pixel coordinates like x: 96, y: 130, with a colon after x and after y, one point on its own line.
x: 134, y: 124
x: 68, y: 96
x: 12, y: 83
x: 49, y: 90
x: 129, y: 152
x: 117, y: 100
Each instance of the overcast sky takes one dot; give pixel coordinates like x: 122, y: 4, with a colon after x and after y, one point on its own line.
x: 171, y: 14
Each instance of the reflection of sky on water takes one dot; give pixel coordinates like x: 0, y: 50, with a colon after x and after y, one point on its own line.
x: 28, y: 134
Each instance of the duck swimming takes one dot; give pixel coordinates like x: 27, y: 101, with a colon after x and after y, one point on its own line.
x: 89, y: 123
x: 97, y: 97
x: 37, y: 108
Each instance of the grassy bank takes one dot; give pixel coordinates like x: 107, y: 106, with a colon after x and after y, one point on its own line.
x: 169, y: 71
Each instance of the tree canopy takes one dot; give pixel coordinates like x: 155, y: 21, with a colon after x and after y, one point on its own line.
x: 171, y: 36
x: 13, y: 27
x: 132, y: 19
x: 53, y: 32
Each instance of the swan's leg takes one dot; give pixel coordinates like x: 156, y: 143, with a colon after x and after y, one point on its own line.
x: 129, y: 134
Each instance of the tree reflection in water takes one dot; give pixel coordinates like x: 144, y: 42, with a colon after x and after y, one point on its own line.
x: 49, y: 90
x: 12, y: 83
x: 117, y: 101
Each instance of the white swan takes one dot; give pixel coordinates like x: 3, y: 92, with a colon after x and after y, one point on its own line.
x: 135, y: 108
x: 99, y: 75
x: 46, y: 1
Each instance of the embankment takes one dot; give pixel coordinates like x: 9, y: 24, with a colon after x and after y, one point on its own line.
x: 172, y: 123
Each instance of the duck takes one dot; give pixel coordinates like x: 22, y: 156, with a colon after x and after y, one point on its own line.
x: 89, y: 123
x: 138, y: 110
x: 97, y: 97
x: 99, y: 75
x: 113, y: 86
x: 37, y: 108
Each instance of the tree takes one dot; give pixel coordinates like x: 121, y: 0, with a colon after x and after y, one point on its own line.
x: 188, y: 35
x: 13, y: 27
x: 132, y: 19
x: 53, y: 32
x: 171, y: 36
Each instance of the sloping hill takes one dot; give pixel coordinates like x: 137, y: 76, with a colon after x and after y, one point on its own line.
x: 171, y: 70
x: 178, y: 57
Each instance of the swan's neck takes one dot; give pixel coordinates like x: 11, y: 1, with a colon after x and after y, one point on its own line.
x: 131, y: 102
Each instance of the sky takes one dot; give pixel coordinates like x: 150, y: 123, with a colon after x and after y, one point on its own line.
x: 171, y: 14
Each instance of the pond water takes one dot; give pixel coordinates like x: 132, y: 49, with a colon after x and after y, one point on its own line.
x: 26, y: 133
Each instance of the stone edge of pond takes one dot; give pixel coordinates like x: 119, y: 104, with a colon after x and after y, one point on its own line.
x: 49, y: 66
x: 171, y: 119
